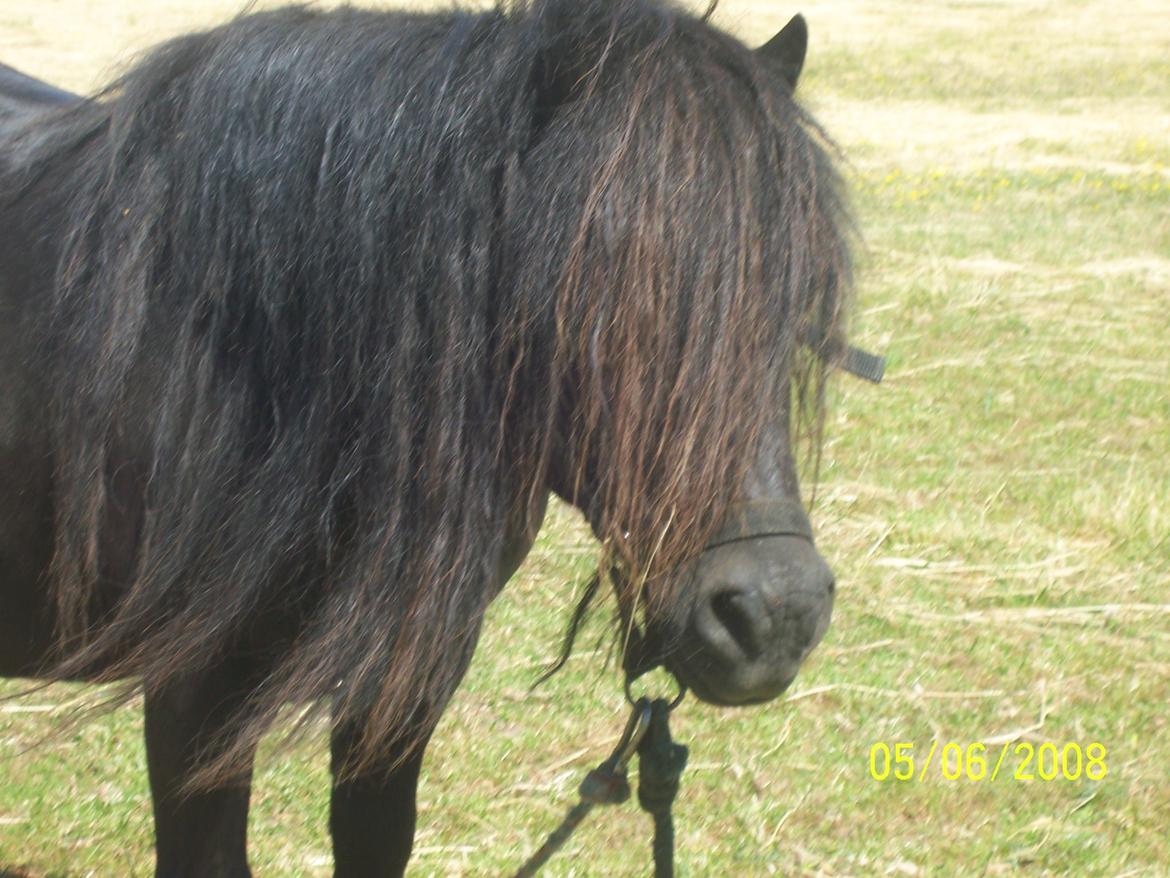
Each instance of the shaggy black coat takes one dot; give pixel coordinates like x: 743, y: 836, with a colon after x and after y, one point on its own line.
x: 401, y: 269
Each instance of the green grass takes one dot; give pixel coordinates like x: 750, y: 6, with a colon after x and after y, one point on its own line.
x: 997, y: 513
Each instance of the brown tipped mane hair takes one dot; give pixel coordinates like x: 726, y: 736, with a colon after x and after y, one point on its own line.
x: 342, y: 288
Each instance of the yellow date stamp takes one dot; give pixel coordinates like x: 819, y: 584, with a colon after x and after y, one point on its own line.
x: 902, y: 762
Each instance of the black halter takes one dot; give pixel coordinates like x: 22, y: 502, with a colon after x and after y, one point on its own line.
x: 863, y: 364
x: 749, y: 520
x: 766, y: 517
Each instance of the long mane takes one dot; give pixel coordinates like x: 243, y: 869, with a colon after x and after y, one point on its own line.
x: 334, y: 275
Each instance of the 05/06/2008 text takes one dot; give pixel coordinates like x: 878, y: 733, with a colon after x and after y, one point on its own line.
x: 975, y: 762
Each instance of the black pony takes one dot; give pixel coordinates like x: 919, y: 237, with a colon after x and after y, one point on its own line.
x: 303, y: 318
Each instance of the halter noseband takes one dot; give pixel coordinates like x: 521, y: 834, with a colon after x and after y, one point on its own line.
x: 766, y: 517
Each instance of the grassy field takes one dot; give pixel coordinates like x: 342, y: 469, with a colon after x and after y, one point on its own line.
x: 997, y: 512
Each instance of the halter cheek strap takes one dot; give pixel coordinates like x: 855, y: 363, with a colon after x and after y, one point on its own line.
x: 766, y: 517
x: 863, y: 364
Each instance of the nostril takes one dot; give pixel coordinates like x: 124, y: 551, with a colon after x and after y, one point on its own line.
x: 743, y: 618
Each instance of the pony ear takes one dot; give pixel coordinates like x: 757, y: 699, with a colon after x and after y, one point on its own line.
x: 786, y: 49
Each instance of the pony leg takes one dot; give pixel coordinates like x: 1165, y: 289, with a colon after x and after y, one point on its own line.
x: 371, y: 817
x: 203, y: 834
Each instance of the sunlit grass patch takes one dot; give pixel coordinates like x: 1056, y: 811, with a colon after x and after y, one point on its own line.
x: 947, y: 70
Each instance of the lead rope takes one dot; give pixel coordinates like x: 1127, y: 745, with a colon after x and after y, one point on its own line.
x: 659, y: 771
x: 647, y: 733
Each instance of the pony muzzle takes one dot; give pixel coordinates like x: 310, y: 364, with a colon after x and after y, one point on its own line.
x: 761, y: 605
